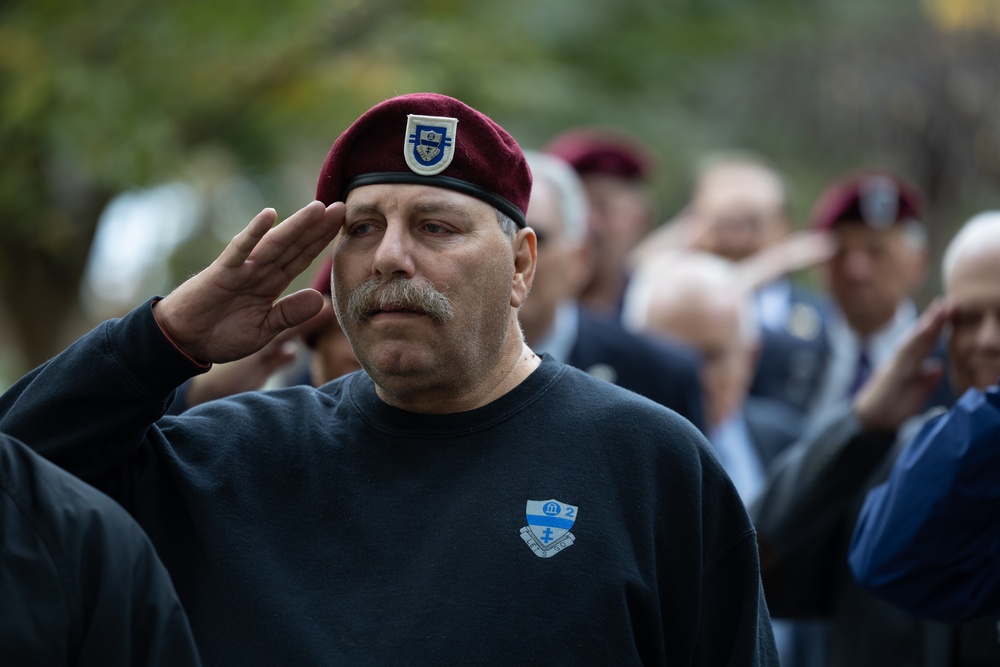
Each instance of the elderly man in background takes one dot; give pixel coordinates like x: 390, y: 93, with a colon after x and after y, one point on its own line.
x: 739, y: 211
x: 806, y: 516
x: 926, y: 538
x: 879, y: 260
x: 554, y: 323
x: 615, y: 170
x: 699, y: 299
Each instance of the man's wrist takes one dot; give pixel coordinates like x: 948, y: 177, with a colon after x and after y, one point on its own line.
x: 166, y: 334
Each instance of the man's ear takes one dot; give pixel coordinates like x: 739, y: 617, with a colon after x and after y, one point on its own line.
x: 525, y: 246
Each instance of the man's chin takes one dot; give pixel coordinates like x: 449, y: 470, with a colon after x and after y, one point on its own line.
x: 397, y: 359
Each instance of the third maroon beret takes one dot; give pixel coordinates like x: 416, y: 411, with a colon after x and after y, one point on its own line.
x: 874, y: 197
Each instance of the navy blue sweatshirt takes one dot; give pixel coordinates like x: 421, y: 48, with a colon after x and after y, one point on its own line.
x: 567, y: 522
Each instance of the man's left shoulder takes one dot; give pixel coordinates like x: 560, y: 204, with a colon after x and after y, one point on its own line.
x: 607, y: 404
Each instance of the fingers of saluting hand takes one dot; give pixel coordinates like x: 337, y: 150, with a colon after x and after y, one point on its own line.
x: 929, y: 327
x: 290, y: 246
x: 900, y: 387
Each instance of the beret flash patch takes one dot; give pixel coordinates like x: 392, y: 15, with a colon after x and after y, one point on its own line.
x: 430, y: 143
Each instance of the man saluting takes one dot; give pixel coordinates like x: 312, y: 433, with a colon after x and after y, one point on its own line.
x: 460, y: 500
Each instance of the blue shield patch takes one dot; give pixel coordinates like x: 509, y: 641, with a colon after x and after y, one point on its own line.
x: 548, y: 529
x: 430, y: 143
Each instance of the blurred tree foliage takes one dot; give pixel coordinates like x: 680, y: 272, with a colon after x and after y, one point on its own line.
x: 97, y: 98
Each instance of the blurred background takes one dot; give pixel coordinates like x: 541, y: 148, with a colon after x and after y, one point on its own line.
x: 139, y: 137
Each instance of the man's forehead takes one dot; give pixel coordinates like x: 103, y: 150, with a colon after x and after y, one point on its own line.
x: 736, y: 202
x: 858, y: 232
x: 975, y: 268
x: 740, y: 189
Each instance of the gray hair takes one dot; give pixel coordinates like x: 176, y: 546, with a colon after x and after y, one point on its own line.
x: 507, y: 224
x: 701, y: 272
x: 570, y: 195
x: 980, y: 230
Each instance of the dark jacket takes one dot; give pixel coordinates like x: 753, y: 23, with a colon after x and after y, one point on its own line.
x: 805, y: 519
x: 80, y: 583
x: 793, y: 359
x: 658, y: 369
x: 772, y: 426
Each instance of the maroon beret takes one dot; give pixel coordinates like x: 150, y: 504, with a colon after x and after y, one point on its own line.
x: 875, y: 197
x: 602, y: 151
x: 429, y: 139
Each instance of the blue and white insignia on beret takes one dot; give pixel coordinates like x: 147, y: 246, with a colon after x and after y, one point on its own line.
x: 879, y: 201
x: 430, y: 143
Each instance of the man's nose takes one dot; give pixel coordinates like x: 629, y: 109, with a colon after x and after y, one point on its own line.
x: 857, y: 264
x: 394, y: 254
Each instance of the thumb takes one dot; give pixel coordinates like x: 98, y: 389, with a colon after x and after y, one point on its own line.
x: 294, y: 309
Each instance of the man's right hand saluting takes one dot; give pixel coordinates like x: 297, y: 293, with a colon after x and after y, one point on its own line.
x: 234, y: 307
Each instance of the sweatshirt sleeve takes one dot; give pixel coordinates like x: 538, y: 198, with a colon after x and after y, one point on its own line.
x: 89, y: 408
x: 734, y: 624
x: 927, y: 539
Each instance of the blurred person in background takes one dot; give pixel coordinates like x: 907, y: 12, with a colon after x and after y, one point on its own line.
x: 699, y: 298
x: 554, y: 323
x: 248, y: 374
x: 878, y: 262
x: 739, y: 206
x: 806, y: 514
x: 615, y: 170
x: 738, y: 210
x: 80, y: 583
x: 927, y: 538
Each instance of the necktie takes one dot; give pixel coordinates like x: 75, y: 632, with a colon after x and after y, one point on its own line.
x: 862, y: 371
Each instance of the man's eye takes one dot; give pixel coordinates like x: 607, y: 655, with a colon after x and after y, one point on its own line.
x: 434, y: 228
x: 362, y: 228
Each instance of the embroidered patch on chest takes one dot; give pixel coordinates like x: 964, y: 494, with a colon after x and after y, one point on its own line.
x: 430, y: 143
x: 547, y: 532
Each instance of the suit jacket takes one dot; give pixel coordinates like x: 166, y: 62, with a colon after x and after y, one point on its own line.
x: 927, y: 538
x: 660, y: 370
x: 792, y: 359
x: 772, y: 426
x: 805, y: 519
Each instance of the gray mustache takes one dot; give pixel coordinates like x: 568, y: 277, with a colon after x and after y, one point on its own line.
x: 373, y: 295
